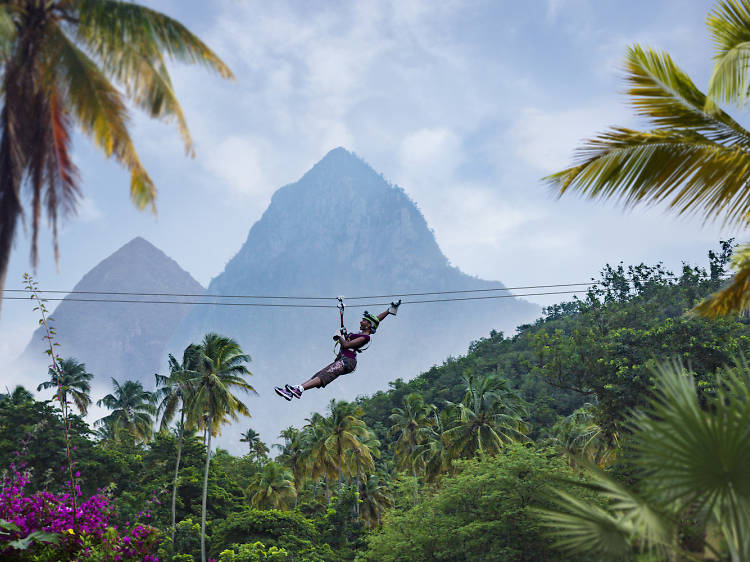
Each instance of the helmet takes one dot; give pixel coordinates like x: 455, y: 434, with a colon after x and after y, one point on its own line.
x: 373, y: 320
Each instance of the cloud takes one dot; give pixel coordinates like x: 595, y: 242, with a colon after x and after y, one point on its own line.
x: 546, y: 139
x: 88, y: 211
x: 436, y: 152
x: 238, y: 161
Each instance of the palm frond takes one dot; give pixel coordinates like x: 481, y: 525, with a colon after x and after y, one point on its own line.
x: 685, y: 170
x: 100, y: 111
x: 668, y: 98
x: 701, y: 459
x: 735, y: 297
x: 585, y: 528
x: 730, y: 27
x: 108, y: 26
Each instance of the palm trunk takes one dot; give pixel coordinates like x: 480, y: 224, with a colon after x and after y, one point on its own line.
x: 338, y: 483
x: 356, y: 503
x: 414, y: 471
x: 205, y: 488
x: 176, y: 474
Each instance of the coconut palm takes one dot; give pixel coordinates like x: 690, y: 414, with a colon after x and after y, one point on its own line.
x: 220, y: 364
x: 692, y: 456
x: 360, y: 459
x: 258, y: 449
x: 173, y: 392
x: 695, y: 158
x: 407, y: 425
x: 132, y: 408
x: 293, y: 455
x: 431, y: 455
x: 73, y: 381
x: 18, y: 396
x: 375, y: 499
x: 581, y: 437
x: 272, y: 487
x: 489, y: 416
x: 344, y: 430
x: 317, y: 455
x: 62, y: 63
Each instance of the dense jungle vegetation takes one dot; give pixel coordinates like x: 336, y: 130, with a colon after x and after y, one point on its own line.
x: 471, y: 460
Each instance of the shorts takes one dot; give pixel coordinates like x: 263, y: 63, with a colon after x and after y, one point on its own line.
x: 330, y: 373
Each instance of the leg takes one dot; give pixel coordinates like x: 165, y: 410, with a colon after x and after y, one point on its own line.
x: 312, y: 383
x: 329, y: 373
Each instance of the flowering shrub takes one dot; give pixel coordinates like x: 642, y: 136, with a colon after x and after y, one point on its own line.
x: 81, y: 534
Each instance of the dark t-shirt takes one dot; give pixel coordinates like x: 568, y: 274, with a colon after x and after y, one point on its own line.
x: 351, y: 353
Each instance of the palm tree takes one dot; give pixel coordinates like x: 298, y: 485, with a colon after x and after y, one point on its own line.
x: 173, y: 392
x: 18, y: 396
x: 220, y: 364
x: 488, y: 417
x: 362, y: 455
x: 316, y: 450
x: 695, y: 158
x: 344, y: 431
x: 74, y: 380
x: 375, y: 499
x: 257, y: 448
x: 580, y: 436
x: 61, y: 60
x: 272, y: 487
x: 293, y: 456
x: 432, y: 455
x: 692, y: 456
x: 408, y: 422
x: 132, y: 410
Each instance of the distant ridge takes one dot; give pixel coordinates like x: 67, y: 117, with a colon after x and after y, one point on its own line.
x: 120, y: 340
x: 342, y: 229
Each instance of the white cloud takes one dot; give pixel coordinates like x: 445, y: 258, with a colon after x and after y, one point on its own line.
x: 239, y: 162
x: 545, y: 140
x: 88, y: 211
x: 436, y: 152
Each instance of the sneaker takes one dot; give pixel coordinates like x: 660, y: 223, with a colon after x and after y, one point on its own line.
x: 283, y: 392
x: 296, y: 392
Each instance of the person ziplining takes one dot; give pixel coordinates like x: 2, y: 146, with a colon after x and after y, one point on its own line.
x: 346, y: 358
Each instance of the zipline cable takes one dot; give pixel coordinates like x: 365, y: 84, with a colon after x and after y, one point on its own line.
x: 290, y: 297
x: 205, y: 295
x: 296, y: 305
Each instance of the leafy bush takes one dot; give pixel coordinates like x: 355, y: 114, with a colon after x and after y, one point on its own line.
x: 289, y: 530
x: 484, y: 513
x: 255, y: 552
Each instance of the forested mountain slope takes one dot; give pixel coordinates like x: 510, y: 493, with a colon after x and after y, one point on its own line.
x: 600, y: 349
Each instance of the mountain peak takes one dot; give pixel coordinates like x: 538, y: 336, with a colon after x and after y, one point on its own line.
x: 339, y: 162
x: 138, y: 244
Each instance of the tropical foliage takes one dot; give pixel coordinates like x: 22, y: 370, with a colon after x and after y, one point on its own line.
x: 465, y: 453
x: 132, y: 408
x: 73, y: 382
x: 690, y: 458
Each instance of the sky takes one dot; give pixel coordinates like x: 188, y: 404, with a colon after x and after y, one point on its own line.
x: 465, y: 105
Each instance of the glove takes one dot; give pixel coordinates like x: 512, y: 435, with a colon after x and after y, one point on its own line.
x: 336, y: 336
x: 393, y: 309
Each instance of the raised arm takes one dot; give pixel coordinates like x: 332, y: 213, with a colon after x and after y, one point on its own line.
x: 390, y: 310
